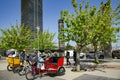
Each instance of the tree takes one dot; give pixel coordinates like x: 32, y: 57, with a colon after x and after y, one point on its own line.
x: 45, y: 40
x: 104, y: 33
x: 79, y: 24
x: 111, y: 18
x: 87, y: 25
x: 17, y: 37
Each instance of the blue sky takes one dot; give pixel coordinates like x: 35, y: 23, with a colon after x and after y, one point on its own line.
x: 10, y: 12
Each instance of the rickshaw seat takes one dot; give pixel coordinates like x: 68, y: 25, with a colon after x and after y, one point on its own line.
x: 55, y: 59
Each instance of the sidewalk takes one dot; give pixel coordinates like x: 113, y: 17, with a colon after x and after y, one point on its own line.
x: 109, y: 71
x: 3, y: 65
x: 106, y: 73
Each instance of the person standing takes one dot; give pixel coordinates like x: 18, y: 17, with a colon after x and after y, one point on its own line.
x: 75, y: 57
x: 67, y: 58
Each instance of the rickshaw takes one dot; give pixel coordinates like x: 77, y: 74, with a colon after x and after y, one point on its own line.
x: 12, y: 59
x: 13, y: 63
x: 52, y: 65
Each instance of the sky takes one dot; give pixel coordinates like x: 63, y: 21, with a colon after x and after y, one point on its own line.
x: 10, y: 12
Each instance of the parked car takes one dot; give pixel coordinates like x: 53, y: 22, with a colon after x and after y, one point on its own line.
x: 82, y: 55
x: 116, y: 54
x: 90, y: 54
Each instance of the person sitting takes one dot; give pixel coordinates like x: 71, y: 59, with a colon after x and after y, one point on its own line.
x: 12, y: 54
x: 40, y: 62
x: 33, y: 58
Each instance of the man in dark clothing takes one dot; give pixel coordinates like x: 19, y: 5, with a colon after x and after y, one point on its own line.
x: 34, y: 56
x: 23, y: 55
x: 75, y: 56
x: 67, y: 58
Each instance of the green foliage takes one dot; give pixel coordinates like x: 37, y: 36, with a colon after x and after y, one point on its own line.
x: 17, y: 37
x: 79, y: 24
x: 108, y: 18
x: 45, y: 41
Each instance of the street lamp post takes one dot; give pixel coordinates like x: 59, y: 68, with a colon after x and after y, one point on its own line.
x: 38, y: 30
x: 61, y: 43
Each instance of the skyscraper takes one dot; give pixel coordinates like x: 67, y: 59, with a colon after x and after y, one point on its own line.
x: 31, y: 14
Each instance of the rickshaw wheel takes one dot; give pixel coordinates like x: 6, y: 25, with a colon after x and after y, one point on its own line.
x: 61, y: 71
x: 29, y: 75
x: 9, y: 68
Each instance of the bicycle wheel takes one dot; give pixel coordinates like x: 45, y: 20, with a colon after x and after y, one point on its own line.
x: 29, y: 75
x: 21, y: 71
x: 9, y: 68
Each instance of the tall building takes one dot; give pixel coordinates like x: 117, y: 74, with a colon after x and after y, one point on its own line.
x: 31, y: 14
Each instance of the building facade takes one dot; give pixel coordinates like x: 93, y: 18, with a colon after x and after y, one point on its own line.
x: 31, y: 14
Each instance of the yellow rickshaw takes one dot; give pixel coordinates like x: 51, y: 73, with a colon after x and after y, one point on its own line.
x: 13, y: 63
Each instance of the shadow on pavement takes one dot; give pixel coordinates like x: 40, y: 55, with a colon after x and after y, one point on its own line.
x: 92, y: 60
x: 93, y: 77
x: 6, y: 75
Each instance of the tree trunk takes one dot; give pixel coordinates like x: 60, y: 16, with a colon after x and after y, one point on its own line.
x: 77, y: 66
x: 78, y: 61
x: 95, y: 54
x: 107, y: 51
